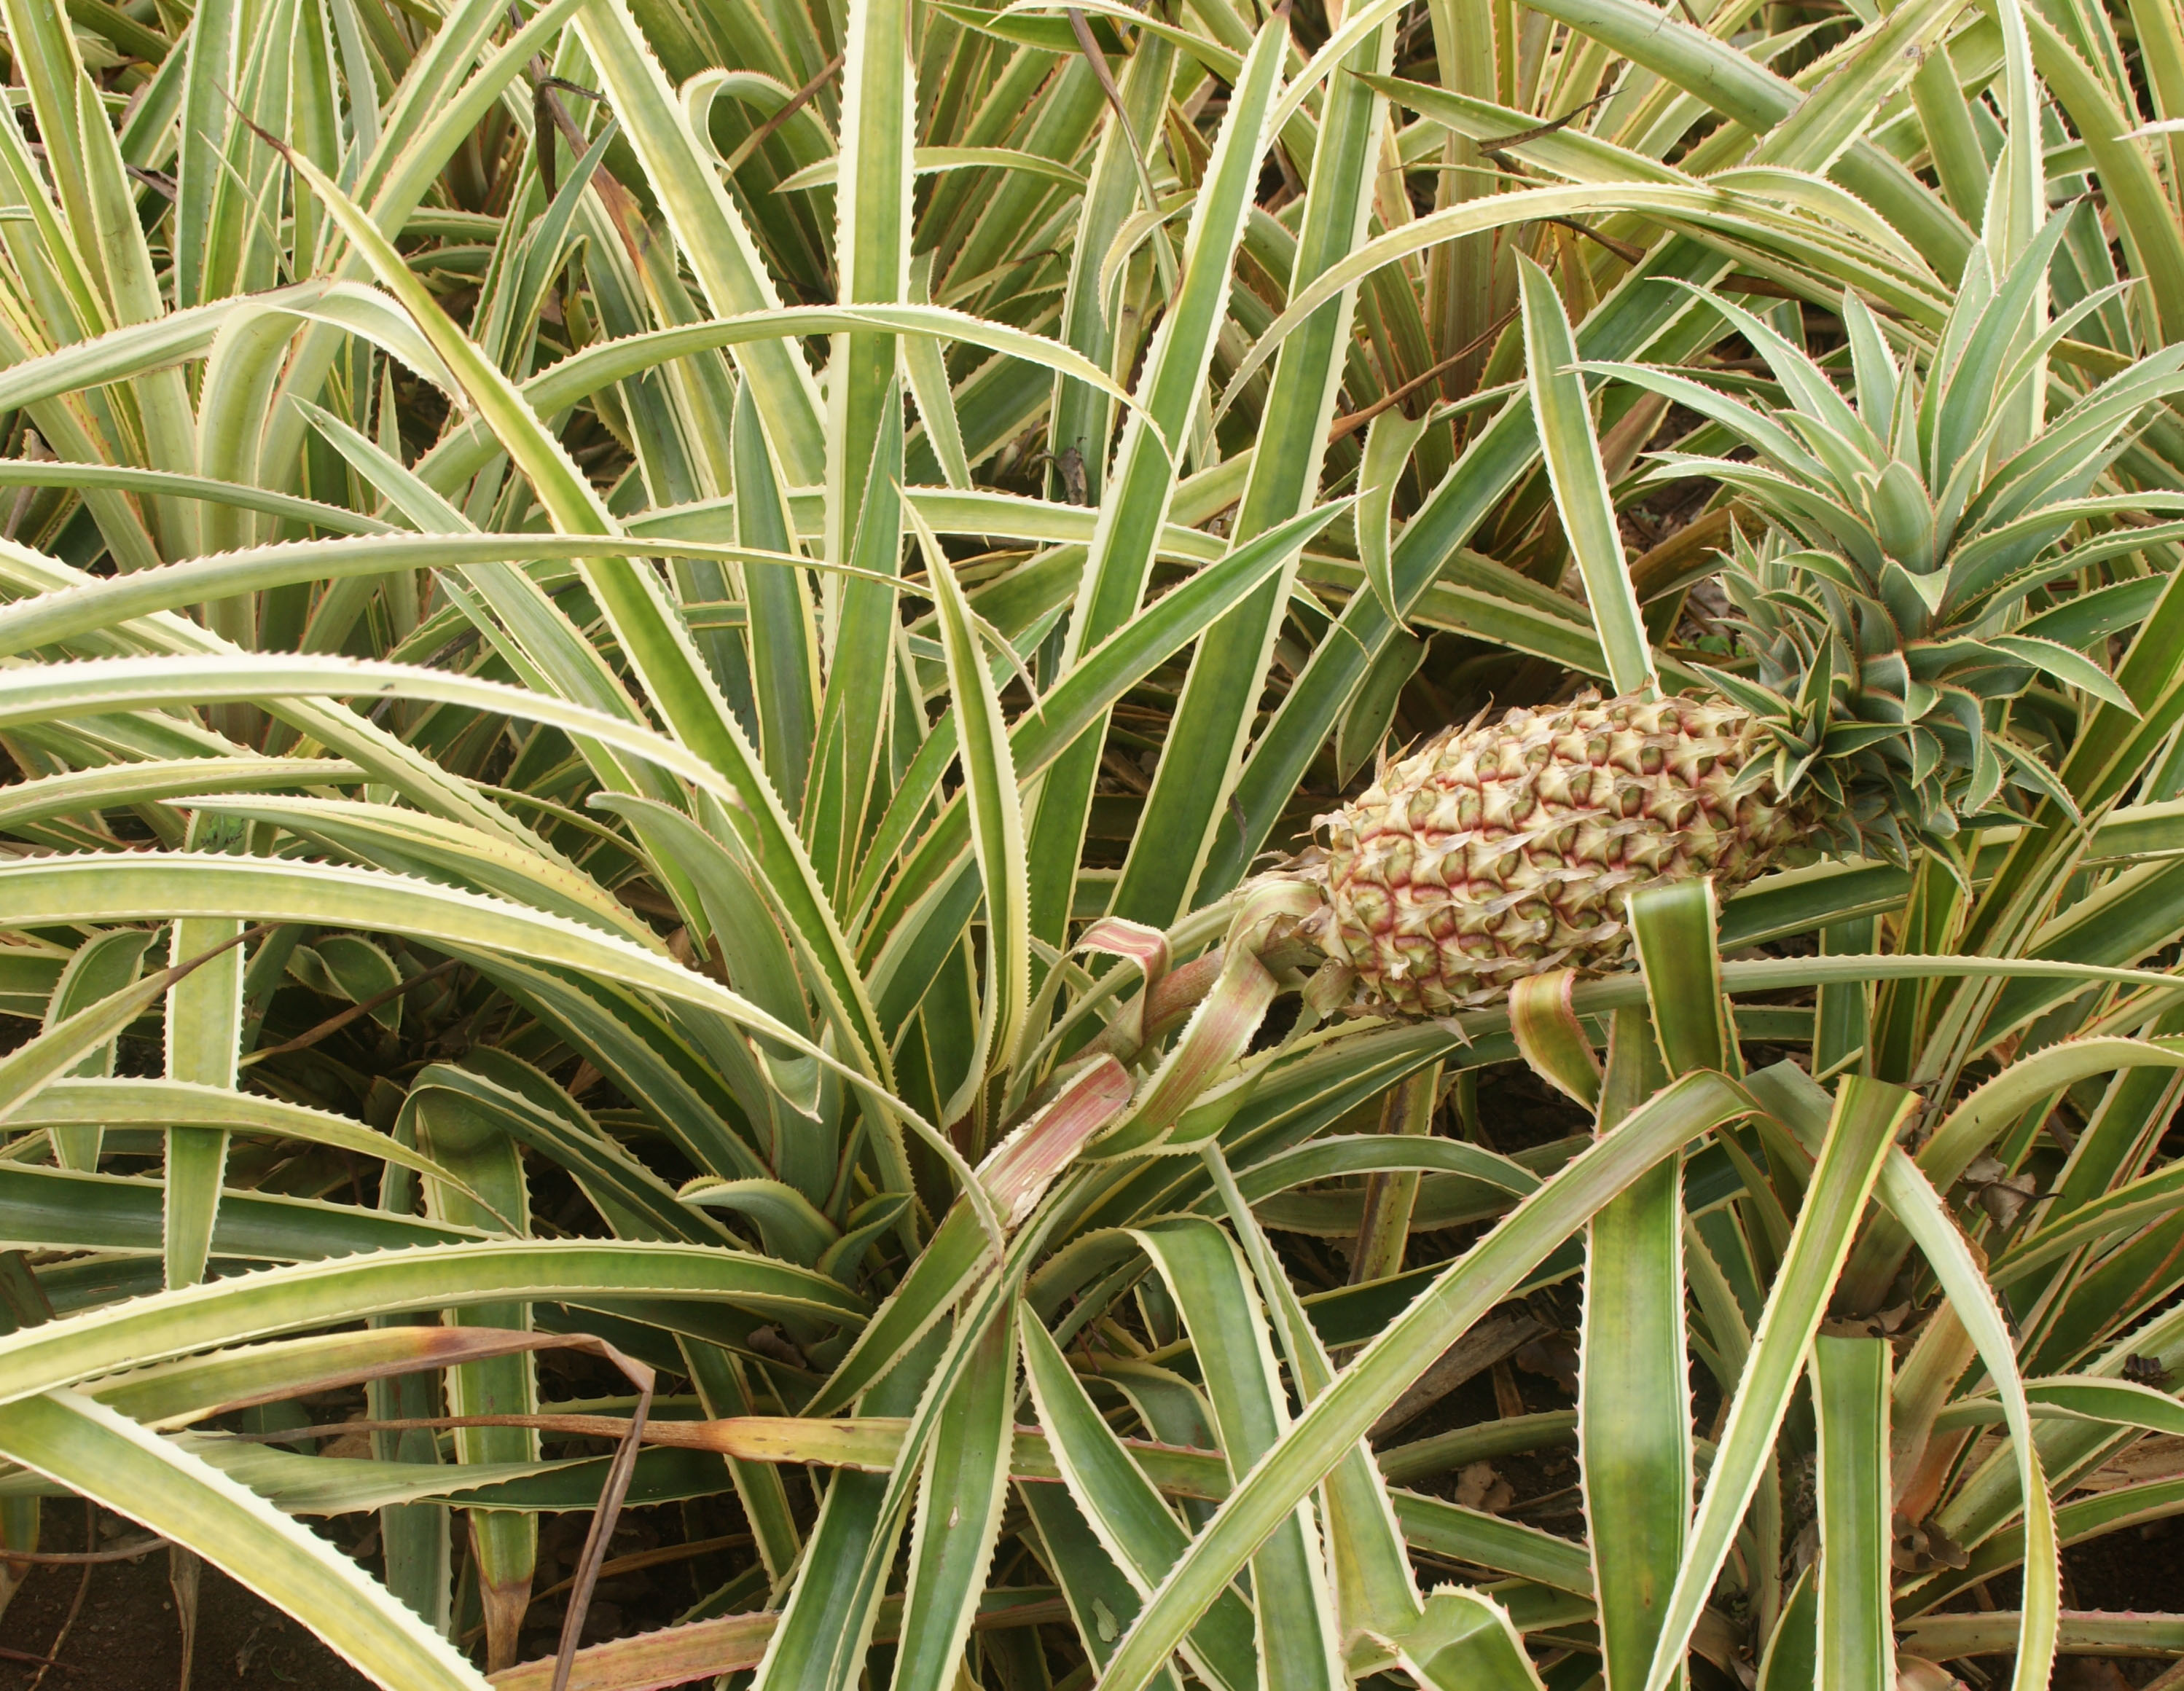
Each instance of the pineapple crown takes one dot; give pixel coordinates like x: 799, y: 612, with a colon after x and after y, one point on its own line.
x: 1904, y: 593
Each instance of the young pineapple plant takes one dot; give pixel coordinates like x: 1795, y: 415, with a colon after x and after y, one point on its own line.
x: 1885, y: 622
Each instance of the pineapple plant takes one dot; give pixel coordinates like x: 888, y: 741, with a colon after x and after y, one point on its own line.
x: 562, y: 869
x: 1885, y: 622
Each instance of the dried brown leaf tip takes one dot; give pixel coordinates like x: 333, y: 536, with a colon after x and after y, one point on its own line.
x: 1479, y: 1486
x: 1889, y: 1323
x: 1553, y: 1357
x: 1922, y: 1545
x: 770, y: 1342
x: 2001, y: 1194
x: 1916, y: 1673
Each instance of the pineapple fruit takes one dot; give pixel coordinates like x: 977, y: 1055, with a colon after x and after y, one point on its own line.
x: 1909, y: 588
x: 1494, y: 852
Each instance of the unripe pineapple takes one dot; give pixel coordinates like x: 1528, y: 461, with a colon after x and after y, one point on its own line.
x: 1494, y: 852
x: 1909, y: 587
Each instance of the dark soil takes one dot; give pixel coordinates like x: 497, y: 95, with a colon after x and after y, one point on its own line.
x: 2140, y: 1568
x: 125, y: 1638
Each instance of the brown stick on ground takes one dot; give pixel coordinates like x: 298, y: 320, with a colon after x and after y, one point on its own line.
x: 1478, y: 1350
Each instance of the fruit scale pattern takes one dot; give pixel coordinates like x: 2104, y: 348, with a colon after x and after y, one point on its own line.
x: 1493, y: 852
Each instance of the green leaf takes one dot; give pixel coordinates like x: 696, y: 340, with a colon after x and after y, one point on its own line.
x: 929, y: 160
x: 1975, y: 1121
x: 37, y: 1063
x: 1202, y: 754
x: 314, y: 1294
x: 706, y: 226
x: 1580, y: 486
x: 791, y: 1227
x: 2072, y: 668
x: 106, y: 963
x: 872, y: 265
x: 1298, y: 1634
x: 1673, y: 927
x: 1743, y: 89
x: 1074, y: 704
x: 2130, y: 1206
x: 847, y: 788
x: 1465, y: 1638
x: 75, y: 1106
x: 472, y: 1140
x: 1634, y: 1402
x: 1550, y: 1037
x: 1458, y: 1297
x: 1390, y: 439
x: 1790, y: 1660
x: 652, y: 636
x: 1857, y: 1640
x: 832, y: 1608
x: 60, y: 1210
x: 1373, y: 1586
x: 1919, y: 1210
x: 959, y: 1514
x: 87, y: 791
x: 1125, y: 1510
x: 784, y: 638
x: 1147, y: 460
x: 1101, y: 1602
x: 90, y: 1448
x: 997, y: 827
x: 205, y: 1029
x: 1867, y: 1117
